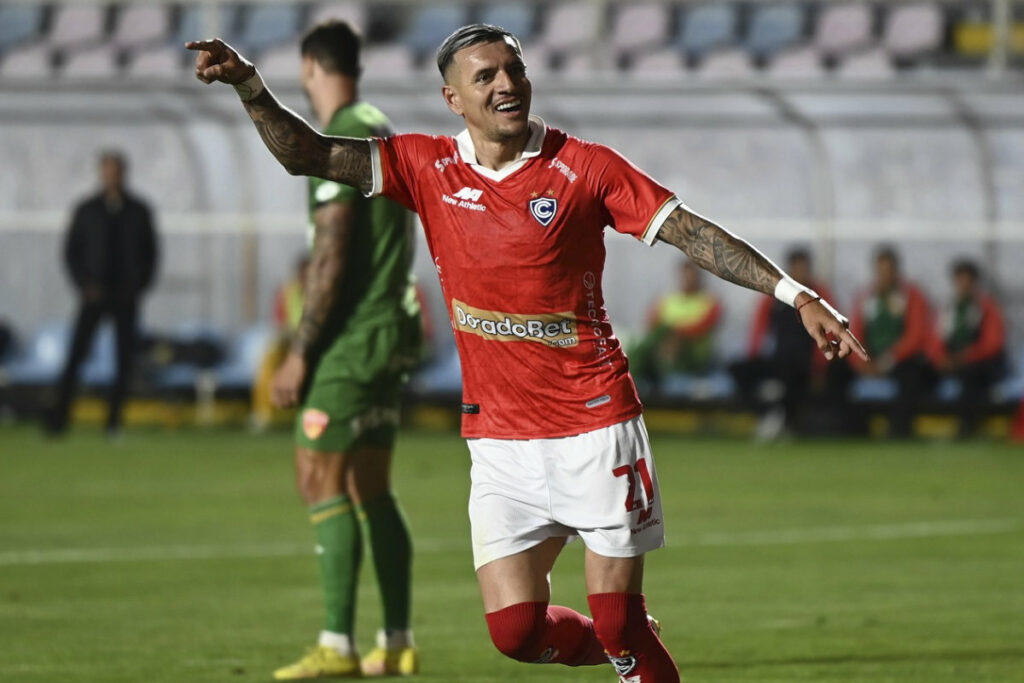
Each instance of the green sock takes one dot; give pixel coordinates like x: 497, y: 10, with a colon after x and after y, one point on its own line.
x: 384, y: 526
x: 340, y: 550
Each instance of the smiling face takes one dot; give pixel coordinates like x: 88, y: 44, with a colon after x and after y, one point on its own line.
x: 486, y: 84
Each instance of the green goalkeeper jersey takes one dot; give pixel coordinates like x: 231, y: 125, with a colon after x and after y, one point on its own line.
x: 377, y: 286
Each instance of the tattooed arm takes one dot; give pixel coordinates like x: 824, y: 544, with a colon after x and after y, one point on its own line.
x: 718, y: 251
x: 333, y: 224
x: 333, y: 234
x: 299, y: 148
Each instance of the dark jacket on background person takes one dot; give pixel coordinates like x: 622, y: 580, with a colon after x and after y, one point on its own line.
x: 113, y: 248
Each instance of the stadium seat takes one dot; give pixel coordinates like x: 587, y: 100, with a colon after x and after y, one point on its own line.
x: 352, y: 12
x: 913, y: 30
x: 640, y: 27
x: 138, y: 25
x: 519, y: 18
x: 842, y: 29
x: 773, y: 28
x: 19, y: 23
x: 724, y: 64
x: 31, y: 62
x: 96, y: 62
x: 268, y: 25
x: 431, y: 24
x: 165, y: 62
x: 77, y: 25
x: 238, y: 371
x: 872, y: 389
x: 870, y: 65
x: 192, y: 23
x: 662, y: 64
x: 42, y: 359
x: 570, y: 26
x: 707, y: 27
x: 801, y: 63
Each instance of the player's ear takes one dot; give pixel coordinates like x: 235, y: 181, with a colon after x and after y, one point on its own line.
x: 451, y: 98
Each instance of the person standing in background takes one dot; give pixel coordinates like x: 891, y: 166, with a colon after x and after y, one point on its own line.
x: 111, y: 255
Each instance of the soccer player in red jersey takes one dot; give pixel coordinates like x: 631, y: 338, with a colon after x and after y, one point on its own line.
x: 514, y: 214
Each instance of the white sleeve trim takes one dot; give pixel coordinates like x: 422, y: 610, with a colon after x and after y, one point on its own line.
x: 788, y: 289
x: 377, y: 186
x: 654, y: 227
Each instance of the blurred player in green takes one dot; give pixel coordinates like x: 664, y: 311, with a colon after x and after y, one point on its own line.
x: 358, y: 336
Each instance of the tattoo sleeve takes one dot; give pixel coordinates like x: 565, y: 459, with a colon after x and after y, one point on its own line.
x: 303, y: 151
x: 718, y: 251
x: 326, y: 269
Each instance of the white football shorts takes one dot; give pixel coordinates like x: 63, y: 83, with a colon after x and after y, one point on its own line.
x: 599, y: 485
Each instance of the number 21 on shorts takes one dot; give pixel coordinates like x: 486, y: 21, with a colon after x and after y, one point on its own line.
x: 632, y: 502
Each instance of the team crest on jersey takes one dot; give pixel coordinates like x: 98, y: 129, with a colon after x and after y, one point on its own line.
x: 314, y: 422
x: 624, y: 664
x: 544, y: 209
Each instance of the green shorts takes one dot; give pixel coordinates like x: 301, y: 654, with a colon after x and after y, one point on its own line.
x: 354, y: 395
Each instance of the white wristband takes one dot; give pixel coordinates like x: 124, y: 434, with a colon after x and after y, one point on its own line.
x: 250, y: 88
x: 788, y: 289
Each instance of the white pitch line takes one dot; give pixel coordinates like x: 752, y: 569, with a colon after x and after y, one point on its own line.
x: 877, y: 532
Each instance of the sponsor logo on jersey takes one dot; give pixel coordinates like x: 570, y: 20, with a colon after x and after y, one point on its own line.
x: 469, y: 194
x: 443, y: 163
x: 623, y: 664
x: 553, y: 329
x: 544, y: 209
x: 314, y: 422
x: 599, y: 401
x: 563, y: 169
x: 466, y: 198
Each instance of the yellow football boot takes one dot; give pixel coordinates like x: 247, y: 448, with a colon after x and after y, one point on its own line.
x: 321, y: 662
x: 403, y: 661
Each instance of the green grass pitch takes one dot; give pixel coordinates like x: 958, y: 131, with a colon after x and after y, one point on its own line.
x: 187, y: 557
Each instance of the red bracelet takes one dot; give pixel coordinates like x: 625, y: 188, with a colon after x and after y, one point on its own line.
x: 809, y: 301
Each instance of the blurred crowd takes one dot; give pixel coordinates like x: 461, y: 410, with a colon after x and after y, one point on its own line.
x: 917, y: 349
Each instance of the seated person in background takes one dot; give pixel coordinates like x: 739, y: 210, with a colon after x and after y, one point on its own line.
x: 780, y: 350
x: 680, y: 330
x: 972, y: 345
x: 895, y: 322
x: 287, y: 313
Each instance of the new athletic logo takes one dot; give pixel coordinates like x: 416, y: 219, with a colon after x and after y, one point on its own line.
x: 553, y: 329
x: 469, y: 194
x: 466, y: 198
x: 544, y: 209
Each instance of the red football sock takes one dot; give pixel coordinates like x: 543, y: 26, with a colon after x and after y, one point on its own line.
x: 636, y: 652
x: 533, y: 632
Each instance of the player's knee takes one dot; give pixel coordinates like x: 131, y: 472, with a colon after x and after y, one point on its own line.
x: 316, y: 478
x: 518, y: 630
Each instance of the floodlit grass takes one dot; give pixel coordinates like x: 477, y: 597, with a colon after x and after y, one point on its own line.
x: 187, y: 557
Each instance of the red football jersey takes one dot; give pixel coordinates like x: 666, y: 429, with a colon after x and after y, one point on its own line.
x: 520, y: 254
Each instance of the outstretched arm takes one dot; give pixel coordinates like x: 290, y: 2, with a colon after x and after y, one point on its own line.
x: 718, y: 251
x: 299, y: 148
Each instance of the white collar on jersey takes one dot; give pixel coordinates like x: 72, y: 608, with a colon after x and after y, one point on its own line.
x: 538, y: 131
